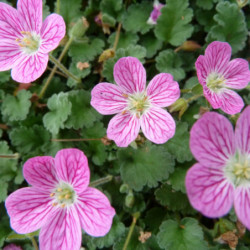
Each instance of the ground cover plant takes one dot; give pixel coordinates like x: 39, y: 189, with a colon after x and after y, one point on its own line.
x: 124, y: 124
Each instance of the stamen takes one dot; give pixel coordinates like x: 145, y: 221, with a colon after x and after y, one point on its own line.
x: 63, y: 205
x: 52, y: 194
x: 67, y: 196
x: 59, y: 190
x: 124, y: 112
x: 54, y: 204
x: 125, y: 95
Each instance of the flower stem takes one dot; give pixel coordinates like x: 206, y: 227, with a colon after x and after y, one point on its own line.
x: 185, y: 90
x: 58, y: 6
x: 69, y: 140
x: 131, y: 229
x: 34, y: 243
x: 101, y: 181
x: 52, y: 73
x: 193, y: 98
x: 117, y: 36
x: 63, y: 68
x: 13, y: 156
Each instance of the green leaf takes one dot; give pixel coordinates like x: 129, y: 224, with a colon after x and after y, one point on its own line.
x: 46, y: 11
x: 177, y: 179
x: 178, y: 146
x: 187, y: 235
x: 116, y: 231
x: 111, y: 7
x: 16, y: 108
x: 31, y: 141
x: 230, y: 26
x: 173, y: 24
x: 205, y: 4
x: 83, y: 51
x: 135, y: 18
x: 60, y: 108
x: 145, y: 166
x: 4, y: 76
x: 170, y: 62
x: 4, y: 190
x: 82, y: 114
x: 205, y: 18
x: 135, y: 51
x: 125, y: 40
x: 174, y: 200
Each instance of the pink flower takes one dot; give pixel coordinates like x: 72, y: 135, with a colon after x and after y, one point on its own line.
x: 59, y: 202
x: 218, y: 75
x: 12, y: 247
x: 137, y: 106
x: 222, y: 176
x: 26, y: 40
x: 156, y: 12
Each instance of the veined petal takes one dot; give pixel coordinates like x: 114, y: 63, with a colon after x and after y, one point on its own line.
x: 31, y: 12
x: 72, y: 167
x: 63, y: 231
x: 123, y: 129
x: 130, y: 74
x: 237, y: 74
x: 208, y: 191
x: 107, y: 98
x: 242, y: 131
x: 157, y: 125
x: 216, y: 59
x: 40, y: 172
x: 29, y: 209
x: 163, y: 90
x: 30, y: 68
x: 212, y: 140
x: 52, y: 32
x: 231, y: 102
x: 95, y: 212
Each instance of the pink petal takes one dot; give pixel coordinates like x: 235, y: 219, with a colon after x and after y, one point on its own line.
x: 31, y: 13
x: 208, y: 190
x: 72, y: 167
x: 107, y: 98
x: 30, y: 68
x: 231, y: 102
x: 62, y: 232
x: 29, y: 209
x: 242, y: 131
x: 157, y: 125
x: 130, y: 74
x: 237, y: 74
x: 52, y: 32
x: 123, y: 129
x: 163, y: 90
x: 95, y: 212
x: 216, y: 59
x: 40, y: 172
x: 242, y: 205
x: 212, y: 140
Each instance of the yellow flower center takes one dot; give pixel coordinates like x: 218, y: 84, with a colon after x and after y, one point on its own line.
x: 215, y: 82
x: 30, y: 42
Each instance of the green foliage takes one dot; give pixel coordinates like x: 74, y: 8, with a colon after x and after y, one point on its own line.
x: 135, y: 19
x: 16, y: 108
x: 125, y: 40
x: 178, y: 146
x: 230, y: 26
x: 186, y: 235
x: 205, y: 4
x: 144, y: 166
x: 177, y: 179
x: 151, y: 44
x: 135, y: 51
x: 170, y: 62
x: 111, y: 7
x: 60, y: 108
x: 173, y: 26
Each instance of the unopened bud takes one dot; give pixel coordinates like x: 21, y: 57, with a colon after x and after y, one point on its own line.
x: 130, y: 200
x: 124, y: 188
x: 242, y: 3
x: 180, y: 106
x: 189, y: 46
x: 106, y: 54
x: 79, y: 28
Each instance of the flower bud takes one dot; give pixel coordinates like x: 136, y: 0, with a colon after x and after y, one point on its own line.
x: 124, y: 188
x: 79, y: 28
x: 188, y: 46
x: 106, y: 54
x: 129, y: 200
x: 180, y: 105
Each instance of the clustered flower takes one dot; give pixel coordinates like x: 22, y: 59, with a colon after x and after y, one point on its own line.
x: 60, y: 202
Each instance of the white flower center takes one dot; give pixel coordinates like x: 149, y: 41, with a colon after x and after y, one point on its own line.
x: 215, y: 82
x: 138, y: 103
x: 64, y: 195
x: 237, y: 169
x: 30, y: 42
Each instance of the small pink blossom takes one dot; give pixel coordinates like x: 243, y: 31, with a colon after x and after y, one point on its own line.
x: 218, y: 75
x: 12, y: 247
x: 221, y: 178
x: 59, y: 202
x: 137, y: 106
x: 26, y: 40
x: 156, y: 12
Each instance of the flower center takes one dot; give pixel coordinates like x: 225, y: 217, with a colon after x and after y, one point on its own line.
x: 30, y: 42
x: 138, y: 103
x: 238, y: 169
x: 215, y: 81
x: 64, y: 195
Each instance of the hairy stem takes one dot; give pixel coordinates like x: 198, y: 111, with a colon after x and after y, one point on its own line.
x: 34, y: 243
x: 58, y: 6
x: 117, y: 36
x: 12, y: 156
x: 101, y: 181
